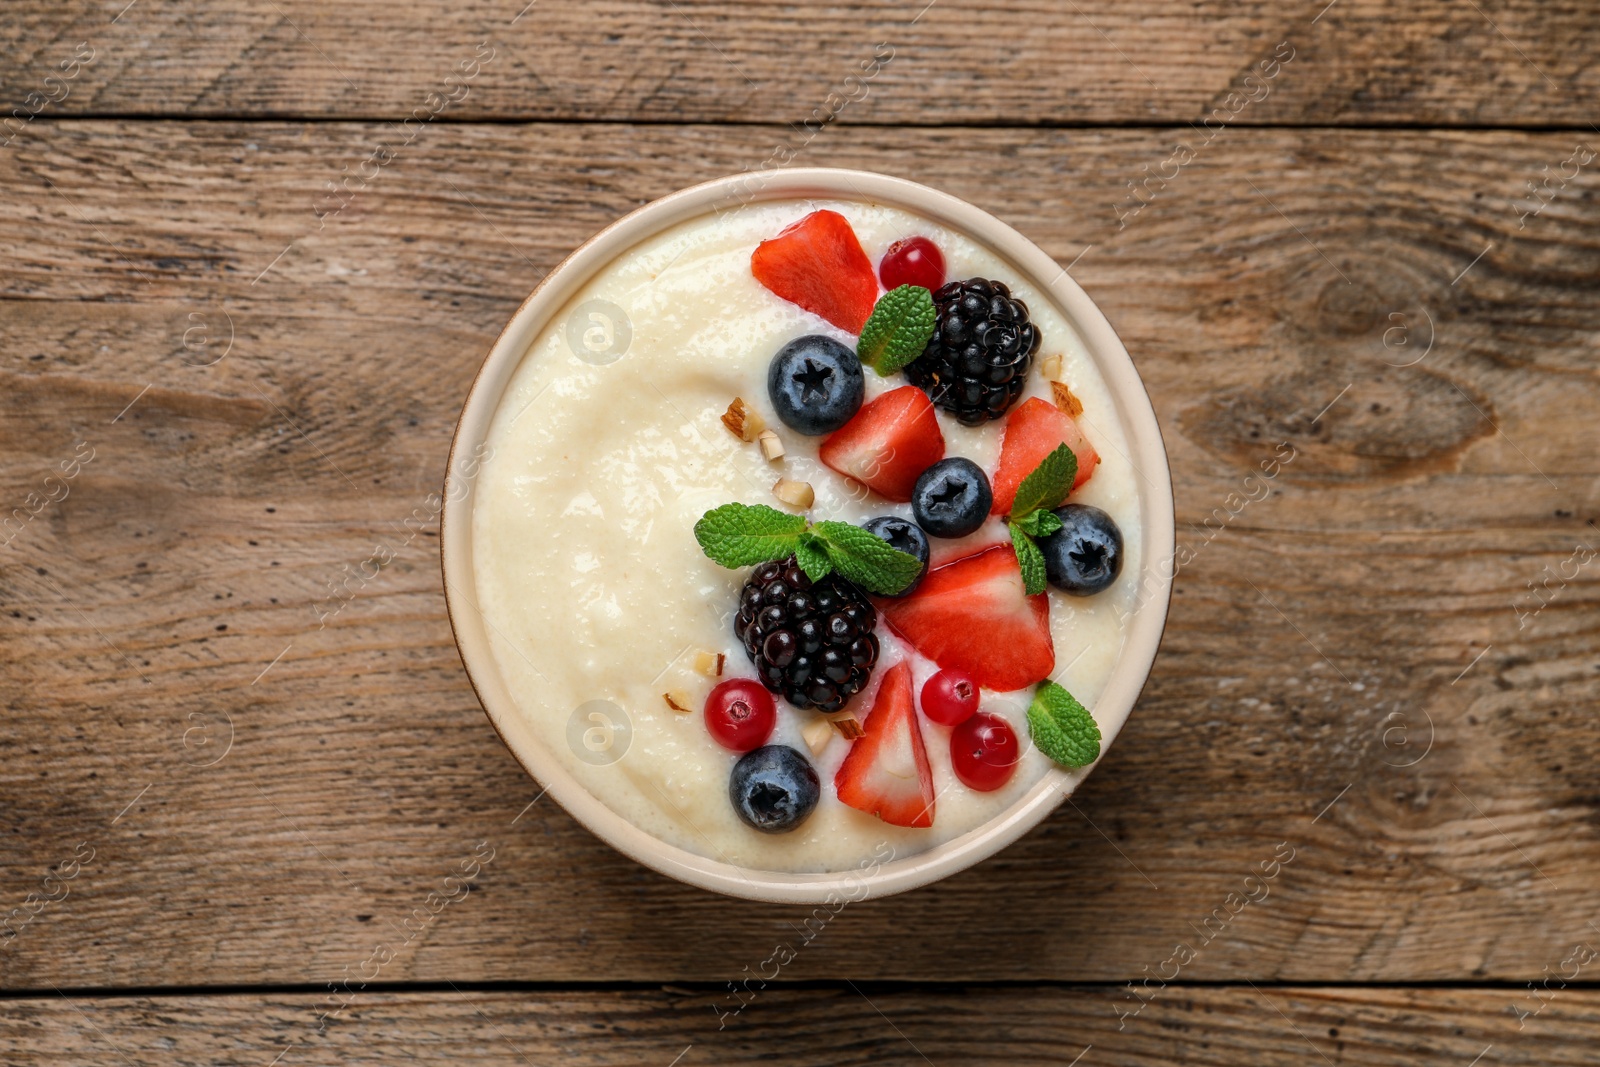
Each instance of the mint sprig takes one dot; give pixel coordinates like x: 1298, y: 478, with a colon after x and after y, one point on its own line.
x: 1062, y: 728
x: 898, y: 330
x: 812, y: 557
x: 1038, y: 523
x: 741, y: 535
x: 1045, y: 487
x: 865, y: 558
x: 1030, y: 559
x: 1048, y: 484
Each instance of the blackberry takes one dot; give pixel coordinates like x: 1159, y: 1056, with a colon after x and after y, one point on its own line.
x: 976, y: 364
x: 811, y: 642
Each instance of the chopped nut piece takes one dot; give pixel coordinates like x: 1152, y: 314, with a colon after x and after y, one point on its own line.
x: 709, y: 663
x: 1050, y: 367
x: 816, y: 735
x: 795, y: 494
x: 677, y: 700
x: 848, y: 725
x: 742, y: 422
x: 771, y: 445
x: 1065, y: 400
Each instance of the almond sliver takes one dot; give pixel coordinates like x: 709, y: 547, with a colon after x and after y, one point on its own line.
x: 816, y: 735
x: 709, y: 663
x: 1065, y: 400
x: 795, y: 494
x: 742, y: 422
x: 848, y: 725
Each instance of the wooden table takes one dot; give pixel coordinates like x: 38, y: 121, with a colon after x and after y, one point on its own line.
x: 1354, y: 818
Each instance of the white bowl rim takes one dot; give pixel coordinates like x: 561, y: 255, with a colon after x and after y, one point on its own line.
x: 1146, y: 624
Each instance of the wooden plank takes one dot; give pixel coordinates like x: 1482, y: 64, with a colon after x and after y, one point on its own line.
x: 176, y: 589
x: 1508, y: 62
x: 834, y: 1026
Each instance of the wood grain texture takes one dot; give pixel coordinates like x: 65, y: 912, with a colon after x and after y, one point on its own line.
x: 170, y: 601
x: 1023, y: 1024
x: 1500, y: 62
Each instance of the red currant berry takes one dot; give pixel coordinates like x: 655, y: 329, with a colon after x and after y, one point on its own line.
x: 913, y: 261
x: 740, y: 714
x: 984, y: 753
x: 950, y: 697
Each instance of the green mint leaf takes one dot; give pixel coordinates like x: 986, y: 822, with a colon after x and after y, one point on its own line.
x: 1028, y: 523
x: 1030, y: 559
x: 738, y: 535
x: 1062, y: 728
x: 812, y: 554
x: 898, y: 330
x: 866, y: 559
x: 1038, y: 523
x: 1048, y: 484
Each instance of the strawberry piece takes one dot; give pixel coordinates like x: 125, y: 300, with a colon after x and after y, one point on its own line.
x: 886, y: 771
x: 887, y: 443
x: 943, y: 551
x: 974, y: 615
x: 818, y: 263
x: 1034, y: 429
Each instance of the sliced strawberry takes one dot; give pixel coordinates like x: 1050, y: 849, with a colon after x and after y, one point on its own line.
x: 974, y: 615
x: 1034, y: 429
x: 818, y: 263
x: 887, y: 443
x: 886, y: 771
x: 944, y: 551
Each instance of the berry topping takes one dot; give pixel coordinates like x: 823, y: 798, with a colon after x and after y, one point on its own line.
x: 1034, y: 430
x: 984, y: 752
x: 886, y: 771
x: 1085, y: 555
x: 774, y: 789
x: 740, y: 714
x: 818, y: 263
x: 890, y: 441
x: 810, y: 641
x: 913, y: 261
x: 950, y: 697
x: 972, y: 614
x: 976, y: 364
x: 815, y: 384
x: 905, y: 536
x: 951, y: 498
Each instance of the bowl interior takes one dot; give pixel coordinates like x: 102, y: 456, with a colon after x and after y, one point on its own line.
x: 1144, y: 626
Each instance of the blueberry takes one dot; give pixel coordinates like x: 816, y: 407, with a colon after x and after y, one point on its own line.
x: 952, y: 498
x: 816, y: 384
x: 905, y: 535
x: 774, y: 789
x: 1085, y: 555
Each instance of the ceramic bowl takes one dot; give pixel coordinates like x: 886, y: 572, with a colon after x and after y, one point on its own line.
x: 1144, y: 626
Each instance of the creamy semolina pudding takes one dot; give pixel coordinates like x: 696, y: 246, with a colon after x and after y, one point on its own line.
x: 806, y: 533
